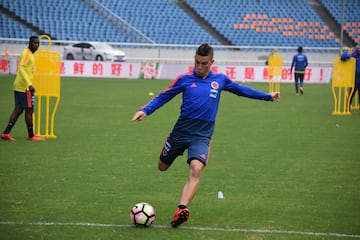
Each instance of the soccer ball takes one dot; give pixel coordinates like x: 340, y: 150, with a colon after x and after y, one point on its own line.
x: 142, y: 214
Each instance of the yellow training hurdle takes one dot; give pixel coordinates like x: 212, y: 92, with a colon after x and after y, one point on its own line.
x: 47, y: 85
x: 275, y: 72
x: 343, y: 77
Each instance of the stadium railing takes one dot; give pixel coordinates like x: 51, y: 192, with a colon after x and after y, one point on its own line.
x: 178, y: 53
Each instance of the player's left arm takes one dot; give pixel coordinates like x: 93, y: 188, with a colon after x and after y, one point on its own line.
x: 246, y: 91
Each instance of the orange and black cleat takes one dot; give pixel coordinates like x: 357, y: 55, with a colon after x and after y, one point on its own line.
x: 180, y: 216
x: 36, y: 138
x: 7, y: 137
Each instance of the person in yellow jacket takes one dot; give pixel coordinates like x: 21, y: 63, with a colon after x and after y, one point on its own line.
x: 24, y: 92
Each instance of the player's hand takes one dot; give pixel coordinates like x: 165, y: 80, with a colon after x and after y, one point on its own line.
x: 140, y: 115
x: 31, y: 88
x: 275, y: 96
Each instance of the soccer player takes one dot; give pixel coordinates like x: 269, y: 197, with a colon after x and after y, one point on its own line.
x: 300, y: 62
x: 24, y: 92
x: 356, y: 54
x: 201, y: 91
x: 344, y: 57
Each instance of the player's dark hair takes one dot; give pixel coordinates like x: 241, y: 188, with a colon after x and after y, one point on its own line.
x: 300, y: 49
x: 205, y: 50
x: 32, y: 38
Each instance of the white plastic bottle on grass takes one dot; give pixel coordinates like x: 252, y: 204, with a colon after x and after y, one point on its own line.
x: 220, y: 195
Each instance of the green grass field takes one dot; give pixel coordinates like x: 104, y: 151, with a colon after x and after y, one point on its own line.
x: 288, y: 170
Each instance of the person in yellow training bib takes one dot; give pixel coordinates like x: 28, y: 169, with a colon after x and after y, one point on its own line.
x: 24, y: 92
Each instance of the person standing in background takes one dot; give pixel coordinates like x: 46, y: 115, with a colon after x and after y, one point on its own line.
x: 356, y: 54
x: 299, y: 62
x: 24, y: 92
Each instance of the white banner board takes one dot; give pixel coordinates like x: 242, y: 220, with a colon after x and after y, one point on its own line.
x: 170, y: 71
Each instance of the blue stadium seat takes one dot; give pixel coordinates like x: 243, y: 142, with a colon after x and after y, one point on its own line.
x: 351, y: 18
x: 164, y: 22
x: 8, y: 28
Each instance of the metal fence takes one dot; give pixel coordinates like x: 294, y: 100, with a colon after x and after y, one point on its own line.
x: 176, y: 53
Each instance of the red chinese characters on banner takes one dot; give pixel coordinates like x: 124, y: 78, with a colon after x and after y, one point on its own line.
x: 307, y: 74
x: 62, y: 68
x: 116, y: 69
x: 3, y: 65
x: 321, y: 73
x: 231, y: 72
x: 249, y: 73
x: 214, y: 69
x: 130, y: 70
x: 289, y: 75
x: 191, y: 69
x: 78, y: 68
x: 286, y: 74
x: 266, y: 73
x: 97, y: 69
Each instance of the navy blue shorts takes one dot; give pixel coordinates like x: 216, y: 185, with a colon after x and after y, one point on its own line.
x: 24, y: 99
x: 198, y: 148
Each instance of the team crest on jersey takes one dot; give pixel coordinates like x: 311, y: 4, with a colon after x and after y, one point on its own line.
x: 214, y: 85
x: 213, y: 90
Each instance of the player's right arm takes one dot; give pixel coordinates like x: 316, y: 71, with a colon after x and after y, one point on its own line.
x: 138, y: 116
x: 174, y: 89
x: 25, y: 60
x: 354, y: 53
x: 292, y: 64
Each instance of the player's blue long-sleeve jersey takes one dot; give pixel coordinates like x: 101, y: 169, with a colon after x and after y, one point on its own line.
x: 300, y: 62
x: 357, y: 58
x: 200, y: 98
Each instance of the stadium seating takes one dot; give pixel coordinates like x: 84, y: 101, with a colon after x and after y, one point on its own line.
x: 351, y: 19
x: 64, y: 20
x: 267, y: 22
x: 242, y: 22
x: 162, y: 21
x: 12, y: 29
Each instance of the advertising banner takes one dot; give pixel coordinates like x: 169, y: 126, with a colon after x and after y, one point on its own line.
x: 172, y: 71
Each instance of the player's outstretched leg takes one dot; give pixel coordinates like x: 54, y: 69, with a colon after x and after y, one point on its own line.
x: 181, y: 215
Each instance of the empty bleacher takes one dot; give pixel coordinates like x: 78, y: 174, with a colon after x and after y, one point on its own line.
x: 64, y: 20
x: 267, y: 22
x: 351, y: 17
x: 160, y: 20
x: 285, y: 23
x: 10, y: 28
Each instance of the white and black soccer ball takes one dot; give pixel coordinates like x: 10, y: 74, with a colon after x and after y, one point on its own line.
x: 142, y: 214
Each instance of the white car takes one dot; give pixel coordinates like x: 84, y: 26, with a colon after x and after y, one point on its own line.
x: 93, y: 52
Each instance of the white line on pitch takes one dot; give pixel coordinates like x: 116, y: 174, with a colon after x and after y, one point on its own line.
x: 85, y: 224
